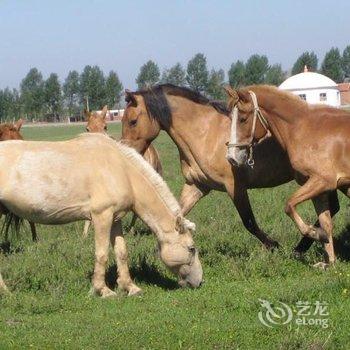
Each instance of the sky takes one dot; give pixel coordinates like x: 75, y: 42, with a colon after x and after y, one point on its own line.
x: 59, y: 36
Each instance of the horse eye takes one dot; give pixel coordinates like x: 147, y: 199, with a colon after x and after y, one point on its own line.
x: 133, y: 122
x: 88, y: 129
x: 192, y: 250
x: 105, y: 127
x: 243, y: 120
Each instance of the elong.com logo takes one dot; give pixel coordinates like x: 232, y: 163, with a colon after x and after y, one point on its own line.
x: 304, y: 313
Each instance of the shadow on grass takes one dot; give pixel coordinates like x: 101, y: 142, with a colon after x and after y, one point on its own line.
x: 143, y: 273
x: 139, y: 231
x: 342, y: 244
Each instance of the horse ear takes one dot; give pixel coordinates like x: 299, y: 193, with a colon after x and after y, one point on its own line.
x: 244, y: 95
x: 18, y: 124
x: 87, y: 114
x: 180, y: 224
x: 183, y: 225
x: 245, y: 101
x: 233, y: 95
x: 104, y: 112
x: 130, y: 97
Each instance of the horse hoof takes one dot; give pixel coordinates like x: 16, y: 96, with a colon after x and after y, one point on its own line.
x: 134, y: 291
x: 322, y: 235
x: 92, y: 292
x: 103, y: 293
x: 107, y: 293
x: 321, y: 265
x: 271, y: 245
x: 297, y: 254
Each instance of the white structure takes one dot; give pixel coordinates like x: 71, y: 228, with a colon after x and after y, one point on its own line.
x: 113, y: 114
x: 313, y: 88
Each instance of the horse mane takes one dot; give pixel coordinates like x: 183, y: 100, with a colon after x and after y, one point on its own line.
x: 277, y: 96
x: 156, y: 180
x: 140, y: 163
x: 158, y: 107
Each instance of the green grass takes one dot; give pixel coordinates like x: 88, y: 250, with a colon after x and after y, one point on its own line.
x: 50, y: 306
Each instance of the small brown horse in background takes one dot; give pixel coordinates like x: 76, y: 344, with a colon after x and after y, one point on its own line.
x: 316, y: 139
x: 9, y: 131
x: 96, y: 122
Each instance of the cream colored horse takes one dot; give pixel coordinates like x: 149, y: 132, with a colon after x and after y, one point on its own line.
x: 92, y: 177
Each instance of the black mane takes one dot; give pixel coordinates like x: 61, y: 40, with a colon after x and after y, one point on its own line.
x: 158, y: 107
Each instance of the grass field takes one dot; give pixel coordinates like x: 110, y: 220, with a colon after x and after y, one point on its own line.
x: 50, y: 306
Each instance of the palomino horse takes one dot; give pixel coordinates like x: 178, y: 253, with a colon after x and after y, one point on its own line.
x: 200, y: 129
x: 95, y: 177
x: 316, y: 139
x: 12, y: 132
x: 96, y: 122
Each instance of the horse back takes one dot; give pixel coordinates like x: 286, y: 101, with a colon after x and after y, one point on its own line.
x: 58, y: 182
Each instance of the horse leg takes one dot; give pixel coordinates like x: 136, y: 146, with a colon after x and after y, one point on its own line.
x: 321, y: 205
x: 311, y: 189
x: 102, y: 224
x: 121, y: 254
x: 306, y: 242
x: 190, y: 195
x: 132, y: 224
x: 240, y: 199
x: 86, y: 228
x: 33, y: 230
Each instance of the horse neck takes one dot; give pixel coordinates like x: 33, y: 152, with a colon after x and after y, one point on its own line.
x: 192, y: 123
x: 282, y: 117
x: 150, y: 205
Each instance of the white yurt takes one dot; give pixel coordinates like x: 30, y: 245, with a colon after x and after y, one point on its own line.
x: 313, y: 88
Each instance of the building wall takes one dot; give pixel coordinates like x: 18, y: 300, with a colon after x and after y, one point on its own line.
x: 344, y: 89
x: 345, y: 98
x: 313, y: 96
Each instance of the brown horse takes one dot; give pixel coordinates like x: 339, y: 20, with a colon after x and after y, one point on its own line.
x: 200, y: 129
x: 316, y: 139
x: 9, y: 131
x: 96, y: 122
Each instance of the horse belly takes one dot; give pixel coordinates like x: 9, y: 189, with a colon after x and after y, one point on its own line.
x: 46, y: 206
x: 271, y: 168
x: 48, y: 190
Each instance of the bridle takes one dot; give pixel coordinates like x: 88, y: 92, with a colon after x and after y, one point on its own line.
x: 251, y: 143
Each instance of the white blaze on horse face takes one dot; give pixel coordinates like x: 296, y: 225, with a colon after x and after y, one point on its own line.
x: 239, y: 154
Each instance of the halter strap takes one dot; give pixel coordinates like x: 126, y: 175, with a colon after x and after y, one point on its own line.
x: 257, y: 115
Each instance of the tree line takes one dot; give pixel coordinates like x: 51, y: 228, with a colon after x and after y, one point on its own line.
x: 256, y: 70
x: 37, y: 98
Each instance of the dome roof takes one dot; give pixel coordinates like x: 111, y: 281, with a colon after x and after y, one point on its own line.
x: 307, y: 80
